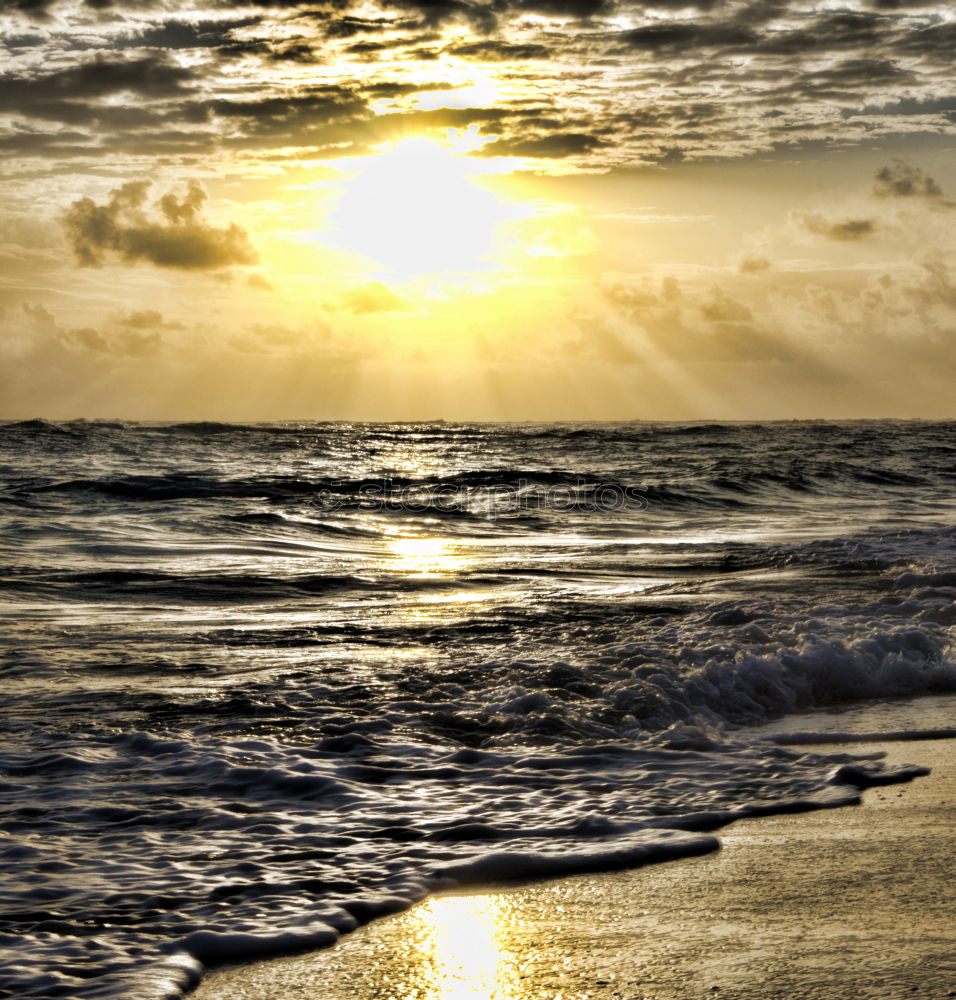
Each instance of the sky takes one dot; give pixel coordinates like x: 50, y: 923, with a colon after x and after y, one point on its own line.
x: 470, y: 210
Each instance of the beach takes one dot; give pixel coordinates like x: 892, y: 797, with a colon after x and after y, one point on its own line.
x: 267, y: 683
x: 836, y: 903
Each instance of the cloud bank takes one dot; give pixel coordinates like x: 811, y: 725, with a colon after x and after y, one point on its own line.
x: 588, y: 84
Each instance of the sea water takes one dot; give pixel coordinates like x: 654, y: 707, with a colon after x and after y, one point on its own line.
x: 263, y: 683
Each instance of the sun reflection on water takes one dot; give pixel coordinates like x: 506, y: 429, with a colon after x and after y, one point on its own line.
x: 423, y: 556
x: 462, y: 955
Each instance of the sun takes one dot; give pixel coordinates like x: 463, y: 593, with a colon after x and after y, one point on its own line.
x: 418, y: 209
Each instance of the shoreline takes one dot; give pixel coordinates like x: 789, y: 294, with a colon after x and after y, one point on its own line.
x: 832, y: 903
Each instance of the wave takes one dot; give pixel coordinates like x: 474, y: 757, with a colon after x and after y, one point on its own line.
x: 137, y: 586
x: 889, y: 736
x: 488, y: 491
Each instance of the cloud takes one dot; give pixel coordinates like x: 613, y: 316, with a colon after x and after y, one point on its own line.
x: 830, y: 31
x: 175, y: 34
x: 681, y: 35
x: 778, y: 76
x: 373, y: 297
x: 289, y: 115
x: 721, y: 308
x: 846, y: 230
x: 907, y: 106
x: 63, y: 368
x: 581, y: 9
x: 146, y: 319
x: 297, y: 52
x: 753, y: 264
x: 559, y: 145
x: 142, y: 320
x: 89, y: 338
x: 140, y: 345
x: 41, y: 8
x: 259, y: 282
x: 903, y: 180
x: 347, y: 27
x: 499, y: 51
x: 153, y: 76
x: 434, y: 12
x: 173, y: 235
x: 669, y: 323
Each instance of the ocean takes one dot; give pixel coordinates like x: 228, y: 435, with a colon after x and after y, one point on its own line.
x: 263, y: 683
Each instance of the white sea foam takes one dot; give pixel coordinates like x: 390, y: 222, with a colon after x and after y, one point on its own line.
x: 212, y: 853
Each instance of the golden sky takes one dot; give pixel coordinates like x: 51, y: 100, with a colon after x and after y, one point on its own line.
x: 522, y: 209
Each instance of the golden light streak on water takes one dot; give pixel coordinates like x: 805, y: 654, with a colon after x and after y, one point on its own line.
x: 423, y: 556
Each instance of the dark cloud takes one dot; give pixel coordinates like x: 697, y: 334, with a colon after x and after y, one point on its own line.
x: 287, y: 113
x: 297, y: 52
x: 909, y: 106
x: 23, y: 41
x: 61, y: 143
x: 434, y: 12
x: 900, y: 4
x: 759, y: 12
x: 838, y: 30
x: 684, y: 36
x: 395, y: 88
x: 853, y: 72
x: 173, y: 235
x: 847, y: 230
x: 555, y: 146
x: 717, y: 71
x: 55, y: 95
x: 176, y: 34
x: 37, y: 7
x: 932, y: 41
x: 498, y: 51
x: 903, y: 180
x: 687, y: 4
x: 308, y: 118
x: 367, y: 48
x: 41, y: 8
x: 348, y: 27
x: 581, y: 9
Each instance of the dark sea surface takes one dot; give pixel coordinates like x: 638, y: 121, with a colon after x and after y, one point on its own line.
x: 263, y: 683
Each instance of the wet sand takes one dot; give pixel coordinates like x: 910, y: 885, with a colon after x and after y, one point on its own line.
x: 858, y: 902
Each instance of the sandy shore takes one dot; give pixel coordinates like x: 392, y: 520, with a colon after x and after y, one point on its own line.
x: 857, y: 902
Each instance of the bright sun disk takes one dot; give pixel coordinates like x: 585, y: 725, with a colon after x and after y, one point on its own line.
x: 417, y: 209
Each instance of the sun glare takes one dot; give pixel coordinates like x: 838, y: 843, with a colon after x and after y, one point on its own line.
x: 416, y: 210
x: 423, y: 556
x: 464, y: 959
